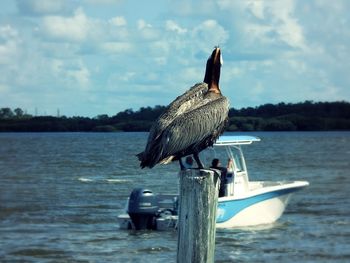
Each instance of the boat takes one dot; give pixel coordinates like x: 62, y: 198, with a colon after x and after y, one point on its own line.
x: 244, y: 202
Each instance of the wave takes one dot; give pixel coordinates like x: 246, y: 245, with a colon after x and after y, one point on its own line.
x: 117, y: 180
x: 82, y: 179
x: 109, y: 180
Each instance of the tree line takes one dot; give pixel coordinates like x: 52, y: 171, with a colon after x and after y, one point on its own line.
x: 303, y: 116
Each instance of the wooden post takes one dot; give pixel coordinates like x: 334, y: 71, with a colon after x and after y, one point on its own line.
x: 197, y: 215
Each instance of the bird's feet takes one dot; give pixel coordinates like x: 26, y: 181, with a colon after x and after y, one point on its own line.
x: 198, y: 161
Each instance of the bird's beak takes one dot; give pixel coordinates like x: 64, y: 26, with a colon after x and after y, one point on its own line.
x: 216, y: 56
x: 212, y: 72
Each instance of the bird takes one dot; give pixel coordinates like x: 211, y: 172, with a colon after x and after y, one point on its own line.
x: 191, y: 123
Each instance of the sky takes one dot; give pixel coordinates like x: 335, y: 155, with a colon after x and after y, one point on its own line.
x: 92, y: 57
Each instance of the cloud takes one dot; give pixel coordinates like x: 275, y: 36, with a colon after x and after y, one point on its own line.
x: 266, y: 23
x: 285, y: 24
x: 118, y: 21
x: 173, y: 26
x: 84, y: 30
x: 146, y: 30
x: 257, y: 8
x: 9, y: 44
x: 3, y: 88
x: 80, y: 75
x: 102, y: 2
x: 7, y: 32
x: 39, y: 7
x: 71, y: 74
x: 208, y: 34
x: 87, y: 33
x: 192, y: 8
x: 74, y: 28
x: 141, y: 24
x: 116, y: 47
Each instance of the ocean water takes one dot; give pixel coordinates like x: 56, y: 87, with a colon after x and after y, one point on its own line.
x: 61, y: 193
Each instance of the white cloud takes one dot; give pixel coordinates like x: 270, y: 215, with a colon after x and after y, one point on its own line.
x: 116, y: 47
x: 57, y: 66
x: 9, y: 44
x: 193, y: 8
x: 235, y: 71
x: 142, y: 24
x: 127, y: 76
x: 257, y: 8
x: 118, y: 21
x: 81, y: 76
x: 275, y: 22
x: 285, y: 24
x: 205, y: 37
x: 74, y: 28
x: 146, y: 30
x: 258, y: 89
x: 256, y: 33
x: 85, y: 30
x: 4, y: 88
x: 72, y: 74
x: 7, y: 32
x: 102, y: 2
x: 172, y: 26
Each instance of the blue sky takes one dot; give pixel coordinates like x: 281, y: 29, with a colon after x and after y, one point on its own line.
x: 91, y: 57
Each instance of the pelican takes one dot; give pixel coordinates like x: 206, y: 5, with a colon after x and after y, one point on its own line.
x: 191, y: 123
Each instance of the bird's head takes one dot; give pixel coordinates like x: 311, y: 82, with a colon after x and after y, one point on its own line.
x: 212, y: 71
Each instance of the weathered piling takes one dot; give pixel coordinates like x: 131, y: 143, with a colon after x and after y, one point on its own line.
x: 197, y: 215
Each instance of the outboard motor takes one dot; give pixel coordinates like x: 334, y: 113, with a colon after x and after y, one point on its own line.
x: 143, y: 208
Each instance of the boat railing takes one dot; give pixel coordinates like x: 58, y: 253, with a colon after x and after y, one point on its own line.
x: 236, y: 183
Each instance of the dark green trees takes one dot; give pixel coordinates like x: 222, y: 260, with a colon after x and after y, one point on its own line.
x: 305, y: 116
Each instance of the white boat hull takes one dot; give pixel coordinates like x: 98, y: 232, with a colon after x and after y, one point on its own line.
x: 264, y: 212
x: 263, y: 206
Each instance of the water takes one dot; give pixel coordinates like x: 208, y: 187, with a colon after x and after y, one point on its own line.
x: 60, y: 194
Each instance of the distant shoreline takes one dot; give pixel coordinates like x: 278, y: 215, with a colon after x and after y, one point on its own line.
x: 305, y: 116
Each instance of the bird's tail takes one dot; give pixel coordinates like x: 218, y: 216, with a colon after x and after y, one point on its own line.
x: 145, y: 160
x: 141, y: 158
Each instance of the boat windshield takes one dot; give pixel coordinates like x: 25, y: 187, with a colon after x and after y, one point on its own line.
x: 224, y: 154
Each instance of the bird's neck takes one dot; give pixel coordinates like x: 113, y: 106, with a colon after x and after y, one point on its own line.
x: 214, y: 88
x: 213, y: 83
x: 212, y: 73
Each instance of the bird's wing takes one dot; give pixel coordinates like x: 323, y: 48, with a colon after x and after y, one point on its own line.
x: 188, y: 100
x: 183, y: 103
x: 194, y: 127
x: 179, y: 106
